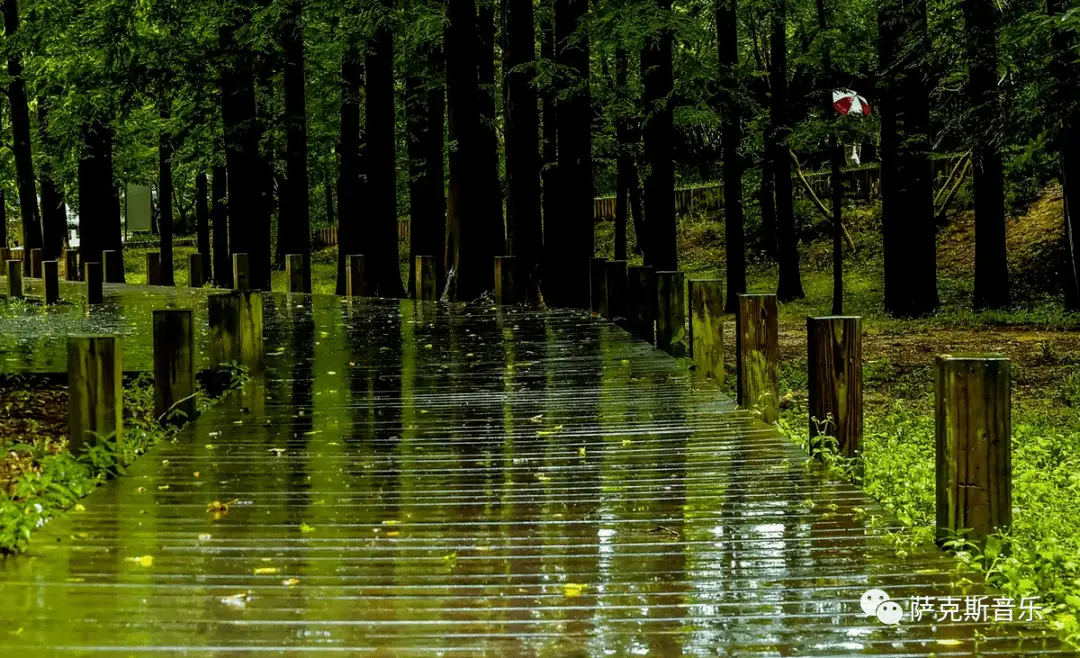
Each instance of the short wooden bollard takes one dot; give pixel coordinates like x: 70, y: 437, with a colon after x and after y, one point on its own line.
x: 113, y: 264
x: 642, y: 286
x: 294, y: 273
x: 95, y: 390
x: 5, y: 254
x: 425, y: 279
x: 195, y: 269
x: 92, y: 275
x: 50, y: 274
x: 355, y: 285
x: 153, y: 268
x: 834, y: 346
x: 507, y: 281
x: 598, y: 285
x: 671, y: 313
x: 174, y: 366
x: 757, y: 351
x: 14, y: 277
x: 617, y: 290
x: 35, y: 263
x: 707, y: 327
x: 236, y: 329
x: 71, y: 265
x: 241, y: 268
x: 974, y: 451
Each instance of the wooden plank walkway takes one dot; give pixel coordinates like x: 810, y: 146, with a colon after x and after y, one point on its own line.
x: 409, y: 479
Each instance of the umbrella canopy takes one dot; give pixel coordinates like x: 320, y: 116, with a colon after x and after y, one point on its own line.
x: 848, y: 102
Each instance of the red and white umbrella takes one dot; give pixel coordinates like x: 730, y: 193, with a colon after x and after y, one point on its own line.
x: 848, y: 102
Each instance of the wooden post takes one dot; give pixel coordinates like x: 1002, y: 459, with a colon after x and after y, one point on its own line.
x: 153, y: 268
x: 92, y: 276
x: 834, y: 356
x: 71, y: 265
x: 196, y: 278
x: 236, y: 329
x: 758, y: 355
x: 112, y: 262
x: 425, y: 279
x: 355, y: 285
x: 617, y: 290
x: 642, y: 280
x: 671, y: 313
x: 507, y: 280
x: 5, y: 254
x: 974, y: 467
x: 95, y: 390
x: 50, y: 273
x: 15, y: 284
x: 241, y: 272
x: 174, y: 366
x: 35, y: 263
x: 598, y: 285
x: 294, y: 273
x: 707, y: 328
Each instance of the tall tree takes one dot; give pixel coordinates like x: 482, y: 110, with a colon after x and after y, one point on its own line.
x: 202, y: 224
x: 53, y: 212
x: 523, y: 219
x: 1067, y: 100
x: 488, y: 156
x: 219, y: 220
x: 99, y: 205
x: 991, y: 262
x: 549, y: 167
x: 3, y: 220
x: 790, y: 285
x: 21, y: 145
x: 165, y: 199
x: 727, y: 39
x: 659, y: 82
x: 835, y: 157
x: 294, y: 219
x: 350, y: 185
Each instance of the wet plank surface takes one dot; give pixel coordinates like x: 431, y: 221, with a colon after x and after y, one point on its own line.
x: 411, y: 479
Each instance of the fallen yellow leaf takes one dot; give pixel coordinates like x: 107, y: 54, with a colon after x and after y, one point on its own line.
x: 265, y: 571
x: 570, y: 590
x: 289, y: 582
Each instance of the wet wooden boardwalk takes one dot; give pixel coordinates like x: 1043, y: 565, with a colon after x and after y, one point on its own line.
x: 409, y: 479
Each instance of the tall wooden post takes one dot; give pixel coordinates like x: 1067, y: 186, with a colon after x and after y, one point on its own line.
x: 671, y: 313
x: 71, y: 265
x: 50, y: 274
x: 112, y: 262
x: 294, y: 273
x: 153, y: 268
x: 617, y: 292
x: 974, y: 451
x: 35, y: 263
x: 834, y: 356
x: 598, y: 285
x: 236, y: 329
x: 355, y: 278
x: 507, y: 281
x: 643, y: 297
x: 707, y: 328
x: 92, y: 275
x: 95, y: 390
x: 241, y: 272
x: 174, y: 365
x: 196, y: 268
x: 425, y: 279
x: 758, y: 355
x: 14, y: 277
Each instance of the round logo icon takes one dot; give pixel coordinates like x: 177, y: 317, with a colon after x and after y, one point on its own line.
x: 876, y: 603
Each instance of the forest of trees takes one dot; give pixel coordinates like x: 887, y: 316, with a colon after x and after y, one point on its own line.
x: 492, y: 124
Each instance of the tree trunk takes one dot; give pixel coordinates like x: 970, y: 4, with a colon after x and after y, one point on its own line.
x: 835, y: 157
x: 381, y: 241
x: 549, y: 172
x: 488, y: 156
x: 53, y: 213
x: 991, y: 262
x: 425, y: 107
x: 625, y: 170
x: 219, y: 218
x: 21, y: 145
x: 3, y: 221
x: 99, y: 209
x: 202, y: 224
x: 328, y: 190
x: 524, y: 226
x: 567, y: 269
x: 349, y: 183
x: 790, y: 286
x: 165, y: 204
x: 658, y: 83
x: 294, y: 221
x: 727, y: 39
x: 1066, y: 83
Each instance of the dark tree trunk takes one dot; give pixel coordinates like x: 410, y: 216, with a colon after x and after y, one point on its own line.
x: 382, y: 261
x: 836, y: 158
x: 658, y: 82
x: 21, y: 145
x: 424, y: 107
x: 434, y: 140
x: 524, y: 226
x: 549, y: 172
x: 991, y: 262
x: 567, y: 268
x: 727, y: 39
x: 99, y: 206
x: 165, y: 204
x: 328, y: 189
x: 53, y: 213
x: 3, y: 220
x: 294, y: 221
x: 202, y: 224
x: 767, y: 198
x: 349, y: 183
x: 219, y: 218
x: 907, y: 195
x: 488, y: 156
x: 1067, y: 100
x: 790, y: 286
x: 626, y: 178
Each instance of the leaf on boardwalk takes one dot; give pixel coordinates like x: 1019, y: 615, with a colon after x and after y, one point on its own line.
x: 142, y: 560
x: 391, y: 522
x: 537, y: 418
x: 237, y: 600
x: 290, y: 582
x: 267, y: 571
x: 571, y: 590
x: 305, y: 528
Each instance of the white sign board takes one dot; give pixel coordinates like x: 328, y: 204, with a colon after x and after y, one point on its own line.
x: 138, y: 208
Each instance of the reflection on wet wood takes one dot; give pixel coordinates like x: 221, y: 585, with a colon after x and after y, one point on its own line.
x: 757, y: 354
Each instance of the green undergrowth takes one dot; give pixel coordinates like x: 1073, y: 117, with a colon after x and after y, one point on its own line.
x: 41, y: 479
